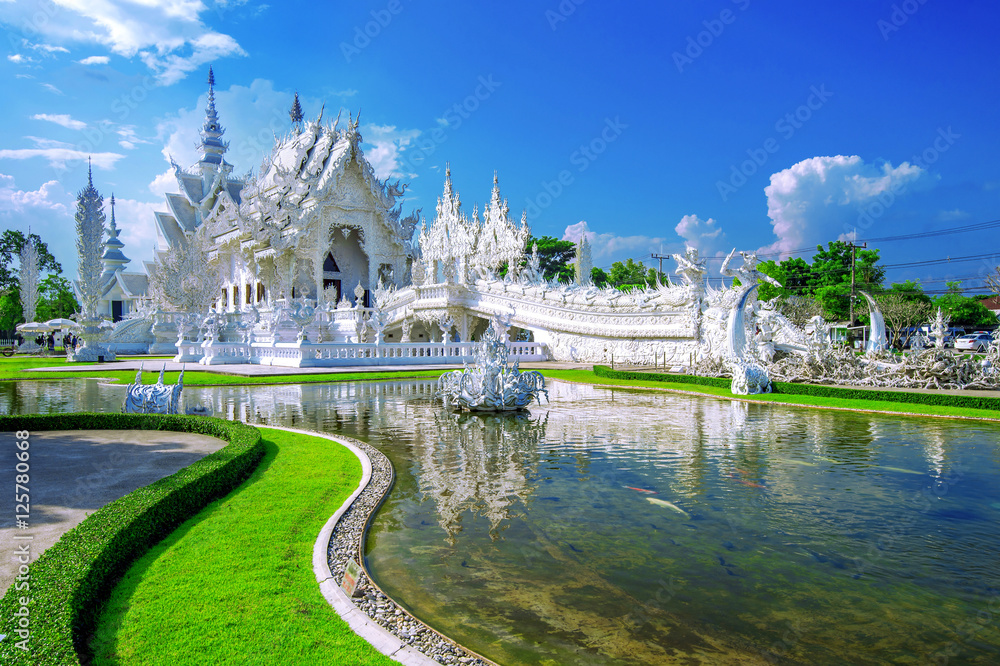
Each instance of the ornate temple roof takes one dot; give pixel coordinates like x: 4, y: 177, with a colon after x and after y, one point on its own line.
x: 312, y: 162
x: 203, y: 184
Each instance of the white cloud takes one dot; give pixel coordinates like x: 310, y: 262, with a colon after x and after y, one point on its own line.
x: 826, y: 198
x: 205, y: 48
x: 59, y: 157
x: 606, y: 248
x: 42, y: 142
x: 163, y: 183
x: 19, y: 59
x: 48, y: 211
x: 129, y: 138
x: 52, y: 89
x: 95, y: 60
x: 138, y: 230
x: 167, y: 35
x: 386, y: 147
x: 63, y: 119
x: 47, y: 48
x: 706, y: 235
x: 952, y: 215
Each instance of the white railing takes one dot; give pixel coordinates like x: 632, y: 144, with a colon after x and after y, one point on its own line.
x: 318, y: 355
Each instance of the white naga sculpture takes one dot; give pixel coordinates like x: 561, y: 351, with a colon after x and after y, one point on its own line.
x: 877, y: 341
x: 153, y: 398
x: 491, y: 385
x: 749, y: 376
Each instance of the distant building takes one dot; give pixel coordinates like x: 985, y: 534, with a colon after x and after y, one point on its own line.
x: 992, y: 304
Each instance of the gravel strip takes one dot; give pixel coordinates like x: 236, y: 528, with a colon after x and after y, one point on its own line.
x: 348, y: 541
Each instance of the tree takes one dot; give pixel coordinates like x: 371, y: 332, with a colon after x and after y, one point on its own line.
x: 57, y: 300
x: 628, y: 274
x: 903, y: 314
x: 11, y: 243
x: 798, y: 309
x: 910, y: 290
x: 555, y: 257
x: 832, y: 268
x: 794, y: 274
x: 599, y: 277
x: 90, y: 232
x: 184, y: 278
x: 993, y: 280
x: 964, y: 310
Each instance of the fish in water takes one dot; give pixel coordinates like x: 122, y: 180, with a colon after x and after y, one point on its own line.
x: 797, y: 462
x: 669, y: 505
x: 900, y: 470
x: 749, y: 484
x: 641, y: 490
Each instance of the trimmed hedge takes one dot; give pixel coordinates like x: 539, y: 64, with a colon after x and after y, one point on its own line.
x: 823, y: 391
x: 70, y: 580
x: 605, y: 371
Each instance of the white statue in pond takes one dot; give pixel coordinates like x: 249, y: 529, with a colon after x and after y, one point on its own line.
x: 490, y: 384
x: 155, y: 398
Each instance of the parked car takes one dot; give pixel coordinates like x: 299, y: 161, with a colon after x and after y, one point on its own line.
x: 973, y: 342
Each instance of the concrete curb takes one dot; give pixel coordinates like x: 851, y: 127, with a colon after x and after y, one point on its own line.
x: 361, y: 624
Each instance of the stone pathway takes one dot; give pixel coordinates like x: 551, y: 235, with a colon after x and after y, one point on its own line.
x: 75, y: 472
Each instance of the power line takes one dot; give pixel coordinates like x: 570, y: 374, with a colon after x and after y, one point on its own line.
x: 946, y: 260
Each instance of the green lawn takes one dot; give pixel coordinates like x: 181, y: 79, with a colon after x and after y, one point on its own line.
x: 234, y: 584
x: 588, y: 377
x: 16, y: 368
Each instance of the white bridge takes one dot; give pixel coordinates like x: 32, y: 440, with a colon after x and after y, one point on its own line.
x: 438, y: 323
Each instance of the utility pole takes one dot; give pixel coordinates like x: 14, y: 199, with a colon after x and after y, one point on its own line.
x: 853, y: 258
x: 661, y: 257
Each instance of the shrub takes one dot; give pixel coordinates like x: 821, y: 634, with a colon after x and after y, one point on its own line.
x: 605, y: 371
x: 823, y: 391
x: 71, y: 579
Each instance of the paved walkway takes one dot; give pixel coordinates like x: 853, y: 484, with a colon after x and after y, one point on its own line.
x: 75, y: 472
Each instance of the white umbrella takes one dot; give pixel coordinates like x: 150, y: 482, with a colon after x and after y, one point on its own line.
x: 33, y: 327
x: 61, y: 323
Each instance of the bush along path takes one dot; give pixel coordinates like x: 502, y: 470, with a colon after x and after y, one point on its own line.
x: 234, y: 584
x: 47, y: 619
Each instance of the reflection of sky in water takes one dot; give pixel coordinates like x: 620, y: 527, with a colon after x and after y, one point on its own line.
x: 774, y: 534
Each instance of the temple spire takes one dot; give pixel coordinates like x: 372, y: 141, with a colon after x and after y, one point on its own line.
x: 90, y: 173
x: 212, y: 146
x: 295, y: 113
x: 112, y: 258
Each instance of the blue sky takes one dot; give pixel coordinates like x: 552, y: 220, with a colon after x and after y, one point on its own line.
x: 724, y: 123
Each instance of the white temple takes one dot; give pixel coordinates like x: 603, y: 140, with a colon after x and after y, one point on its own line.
x: 312, y: 263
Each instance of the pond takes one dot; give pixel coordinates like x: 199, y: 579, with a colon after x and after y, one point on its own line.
x: 627, y: 527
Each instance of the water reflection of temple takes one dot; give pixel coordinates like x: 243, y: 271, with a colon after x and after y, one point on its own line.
x: 477, y: 463
x: 486, y: 468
